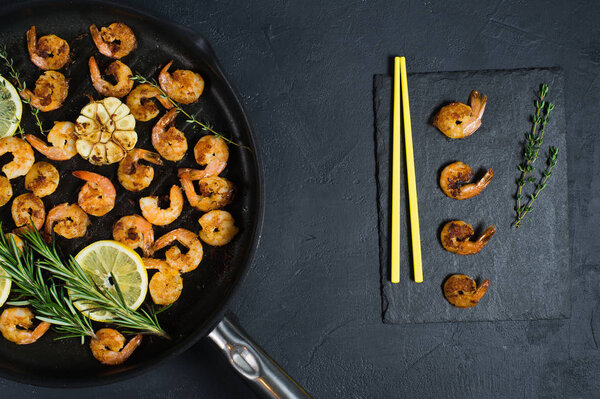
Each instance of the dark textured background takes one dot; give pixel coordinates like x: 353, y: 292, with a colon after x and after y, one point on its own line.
x: 312, y: 298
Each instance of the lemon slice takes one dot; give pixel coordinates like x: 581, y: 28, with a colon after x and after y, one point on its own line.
x: 11, y: 108
x: 5, y: 284
x: 102, y: 258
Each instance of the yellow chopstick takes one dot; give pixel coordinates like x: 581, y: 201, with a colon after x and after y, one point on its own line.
x: 412, y: 183
x: 395, y: 239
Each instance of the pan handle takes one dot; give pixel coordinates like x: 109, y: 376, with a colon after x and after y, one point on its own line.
x: 252, y: 363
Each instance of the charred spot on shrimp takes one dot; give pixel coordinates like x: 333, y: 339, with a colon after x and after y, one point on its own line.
x: 458, y: 232
x: 455, y: 238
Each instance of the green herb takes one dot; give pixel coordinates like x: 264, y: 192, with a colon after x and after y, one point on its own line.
x: 533, y: 143
x: 50, y: 302
x: 82, y: 288
x: 552, y: 160
x: 20, y: 88
x: 191, y: 119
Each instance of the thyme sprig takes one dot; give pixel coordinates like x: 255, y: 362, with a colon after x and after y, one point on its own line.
x: 533, y: 142
x: 552, y: 160
x: 50, y: 302
x: 82, y: 288
x: 21, y: 86
x: 190, y: 118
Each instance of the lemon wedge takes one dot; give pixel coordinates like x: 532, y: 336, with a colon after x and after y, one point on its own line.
x: 109, y: 261
x: 5, y: 284
x: 11, y: 108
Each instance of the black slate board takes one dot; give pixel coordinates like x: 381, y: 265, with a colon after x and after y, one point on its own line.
x: 528, y: 268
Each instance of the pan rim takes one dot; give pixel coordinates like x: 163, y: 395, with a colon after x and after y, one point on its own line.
x: 202, y: 330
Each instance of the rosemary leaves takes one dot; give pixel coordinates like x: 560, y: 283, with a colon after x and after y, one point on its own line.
x: 47, y: 293
x: 533, y: 142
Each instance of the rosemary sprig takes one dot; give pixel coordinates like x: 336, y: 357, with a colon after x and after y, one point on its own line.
x: 49, y: 301
x: 552, y: 160
x: 190, y: 118
x: 82, y: 288
x: 20, y: 88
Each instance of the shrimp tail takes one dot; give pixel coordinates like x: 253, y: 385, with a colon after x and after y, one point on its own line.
x: 487, y: 234
x: 94, y: 70
x: 166, y: 67
x: 188, y: 187
x: 37, y: 143
x: 167, y: 119
x: 131, y: 345
x: 164, y: 78
x: 481, y: 290
x: 32, y: 41
x: 486, y: 179
x: 477, y: 102
x: 165, y: 102
x: 83, y: 175
x: 96, y: 36
x: 152, y: 157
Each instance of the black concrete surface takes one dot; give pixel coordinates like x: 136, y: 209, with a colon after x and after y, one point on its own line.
x: 312, y: 298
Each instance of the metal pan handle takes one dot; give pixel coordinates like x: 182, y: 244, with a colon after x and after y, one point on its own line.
x: 251, y: 362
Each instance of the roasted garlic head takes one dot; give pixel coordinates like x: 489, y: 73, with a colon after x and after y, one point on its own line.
x: 105, y: 131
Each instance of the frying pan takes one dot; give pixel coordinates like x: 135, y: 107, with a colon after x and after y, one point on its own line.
x: 207, y: 290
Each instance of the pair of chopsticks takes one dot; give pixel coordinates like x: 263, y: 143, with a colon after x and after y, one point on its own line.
x: 400, y: 85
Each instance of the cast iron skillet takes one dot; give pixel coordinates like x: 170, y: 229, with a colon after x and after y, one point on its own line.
x: 208, y: 289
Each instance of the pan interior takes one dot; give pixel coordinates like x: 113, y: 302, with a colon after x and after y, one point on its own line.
x: 206, y: 290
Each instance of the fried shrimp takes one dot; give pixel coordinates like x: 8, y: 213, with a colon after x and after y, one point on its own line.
x: 182, y: 86
x: 456, y: 234
x: 169, y: 141
x: 159, y: 216
x: 42, y: 179
x: 119, y: 71
x: 27, y: 209
x: 218, y: 228
x: 22, y: 153
x: 6, y: 191
x: 182, y: 262
x: 457, y: 120
x: 67, y: 220
x: 462, y: 291
x: 141, y: 105
x: 108, y: 346
x: 62, y: 137
x: 211, y: 148
x: 97, y: 196
x: 134, y: 176
x: 166, y: 284
x: 49, y: 52
x: 454, y: 175
x: 215, y: 192
x: 135, y: 232
x: 115, y: 40
x: 51, y: 90
x: 16, y: 323
x: 212, y: 153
